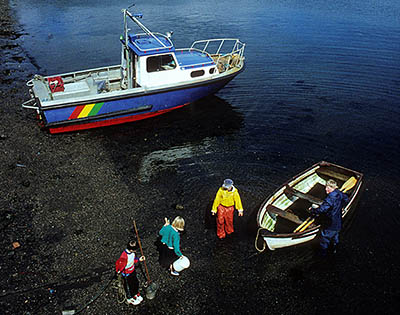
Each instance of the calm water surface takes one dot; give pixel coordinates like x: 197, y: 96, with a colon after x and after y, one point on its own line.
x: 322, y: 82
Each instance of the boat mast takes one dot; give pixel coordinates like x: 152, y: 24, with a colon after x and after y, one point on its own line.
x: 130, y: 63
x: 144, y: 28
x: 126, y: 53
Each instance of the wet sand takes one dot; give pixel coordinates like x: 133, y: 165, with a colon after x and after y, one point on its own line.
x: 62, y: 245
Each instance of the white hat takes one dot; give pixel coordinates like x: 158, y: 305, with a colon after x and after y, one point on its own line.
x: 228, y: 183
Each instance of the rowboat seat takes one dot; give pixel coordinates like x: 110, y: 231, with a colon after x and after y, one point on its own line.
x: 284, y: 214
x: 332, y: 174
x: 291, y: 191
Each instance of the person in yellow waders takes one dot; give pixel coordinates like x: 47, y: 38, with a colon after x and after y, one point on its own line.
x: 225, y: 202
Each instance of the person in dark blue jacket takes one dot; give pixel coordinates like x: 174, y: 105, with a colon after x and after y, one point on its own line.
x: 332, y: 208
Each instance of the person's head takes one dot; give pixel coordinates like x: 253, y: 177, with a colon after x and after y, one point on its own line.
x: 132, y: 246
x: 178, y: 223
x: 331, y: 185
x: 227, y: 184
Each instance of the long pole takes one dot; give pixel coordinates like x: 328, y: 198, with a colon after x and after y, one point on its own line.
x: 141, y: 252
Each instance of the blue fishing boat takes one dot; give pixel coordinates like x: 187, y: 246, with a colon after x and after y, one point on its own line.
x: 153, y: 78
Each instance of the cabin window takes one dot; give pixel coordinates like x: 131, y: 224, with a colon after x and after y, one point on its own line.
x: 212, y: 70
x: 198, y: 73
x: 160, y: 63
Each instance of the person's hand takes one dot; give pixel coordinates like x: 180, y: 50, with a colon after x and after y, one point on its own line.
x: 240, y: 214
x: 166, y: 221
x: 118, y: 272
x: 142, y: 258
x: 212, y: 212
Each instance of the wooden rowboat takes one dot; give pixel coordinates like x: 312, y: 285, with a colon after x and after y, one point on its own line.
x: 284, y: 217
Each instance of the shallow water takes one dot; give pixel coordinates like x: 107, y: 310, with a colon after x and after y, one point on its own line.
x: 321, y: 82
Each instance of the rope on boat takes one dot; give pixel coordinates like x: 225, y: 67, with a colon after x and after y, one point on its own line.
x: 39, y: 78
x: 256, y: 241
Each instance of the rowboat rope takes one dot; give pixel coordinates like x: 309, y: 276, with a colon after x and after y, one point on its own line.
x: 256, y: 241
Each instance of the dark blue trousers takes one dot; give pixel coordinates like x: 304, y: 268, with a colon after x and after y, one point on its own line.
x: 328, y: 237
x: 131, y: 284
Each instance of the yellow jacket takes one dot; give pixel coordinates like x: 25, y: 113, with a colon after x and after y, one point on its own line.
x: 227, y: 199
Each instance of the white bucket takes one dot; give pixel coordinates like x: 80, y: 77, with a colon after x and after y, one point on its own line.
x: 181, y: 264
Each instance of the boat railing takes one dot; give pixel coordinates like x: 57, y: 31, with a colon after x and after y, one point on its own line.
x: 28, y: 103
x: 226, y: 52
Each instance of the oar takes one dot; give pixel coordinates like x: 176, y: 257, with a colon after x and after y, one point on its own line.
x: 349, y: 184
x: 301, y: 225
x: 307, y: 225
x: 151, y: 287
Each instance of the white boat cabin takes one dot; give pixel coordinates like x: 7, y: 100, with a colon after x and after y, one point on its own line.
x: 154, y: 61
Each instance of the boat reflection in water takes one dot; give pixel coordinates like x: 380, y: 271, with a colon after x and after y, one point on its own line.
x: 184, y: 139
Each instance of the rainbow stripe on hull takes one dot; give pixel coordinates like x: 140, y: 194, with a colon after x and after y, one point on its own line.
x: 83, y: 111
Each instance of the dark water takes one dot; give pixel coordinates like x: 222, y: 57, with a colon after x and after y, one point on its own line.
x: 322, y: 82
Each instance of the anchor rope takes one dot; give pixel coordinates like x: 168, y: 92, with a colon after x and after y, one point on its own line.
x: 256, y: 241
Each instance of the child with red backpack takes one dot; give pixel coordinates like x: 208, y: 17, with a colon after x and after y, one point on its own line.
x: 125, y: 265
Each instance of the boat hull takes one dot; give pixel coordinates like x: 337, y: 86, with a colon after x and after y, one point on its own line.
x: 286, y: 241
x: 281, y: 204
x: 128, y: 108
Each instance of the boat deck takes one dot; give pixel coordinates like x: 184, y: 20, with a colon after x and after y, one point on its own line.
x: 80, y: 84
